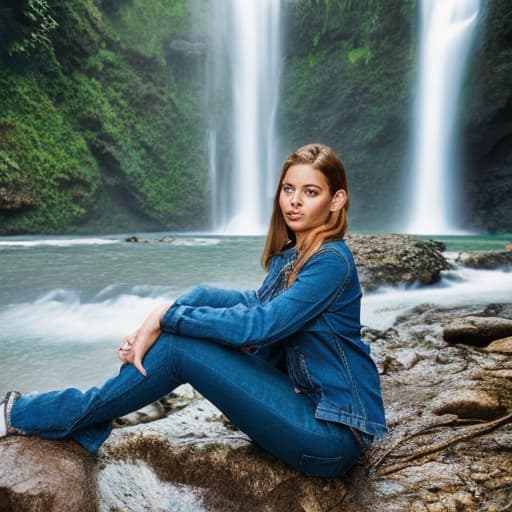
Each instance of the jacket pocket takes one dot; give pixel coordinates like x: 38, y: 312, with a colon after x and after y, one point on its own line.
x: 298, y: 370
x: 311, y: 465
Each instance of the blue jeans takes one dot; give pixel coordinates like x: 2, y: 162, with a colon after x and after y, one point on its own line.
x: 257, y: 397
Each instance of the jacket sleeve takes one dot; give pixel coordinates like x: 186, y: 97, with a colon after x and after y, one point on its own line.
x: 320, y: 281
x: 204, y: 295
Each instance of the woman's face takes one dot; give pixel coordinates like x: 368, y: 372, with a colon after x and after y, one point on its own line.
x: 305, y: 199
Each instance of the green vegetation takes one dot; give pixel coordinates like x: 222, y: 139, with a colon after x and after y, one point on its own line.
x: 351, y: 89
x: 98, y: 125
x: 101, y: 122
x: 349, y: 81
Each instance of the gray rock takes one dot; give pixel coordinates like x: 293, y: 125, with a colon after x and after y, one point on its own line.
x: 476, y: 330
x: 486, y: 259
x: 396, y: 259
x: 40, y: 475
x: 136, y: 239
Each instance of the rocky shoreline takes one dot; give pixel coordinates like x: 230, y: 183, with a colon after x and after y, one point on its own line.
x: 446, y: 376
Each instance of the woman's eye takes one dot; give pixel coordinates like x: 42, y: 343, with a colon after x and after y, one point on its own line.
x: 287, y: 189
x: 311, y: 192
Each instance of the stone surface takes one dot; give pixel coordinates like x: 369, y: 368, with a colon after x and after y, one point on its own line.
x: 476, y: 330
x: 503, y: 346
x: 39, y: 475
x: 469, y: 403
x: 385, y: 260
x: 486, y: 259
x: 233, y: 478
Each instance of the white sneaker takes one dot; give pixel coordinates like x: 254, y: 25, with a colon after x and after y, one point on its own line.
x: 5, y: 410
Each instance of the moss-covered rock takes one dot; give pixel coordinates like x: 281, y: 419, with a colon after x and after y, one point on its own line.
x: 98, y: 126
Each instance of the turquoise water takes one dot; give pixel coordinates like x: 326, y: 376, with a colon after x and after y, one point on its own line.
x: 474, y: 242
x: 66, y: 303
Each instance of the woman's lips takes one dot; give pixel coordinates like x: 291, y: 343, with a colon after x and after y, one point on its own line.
x: 293, y: 216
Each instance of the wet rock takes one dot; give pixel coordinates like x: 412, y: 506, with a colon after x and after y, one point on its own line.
x: 40, y: 475
x: 476, y: 330
x: 503, y: 346
x: 149, y: 413
x: 469, y: 403
x: 486, y: 259
x: 136, y: 239
x: 233, y: 477
x: 386, y: 260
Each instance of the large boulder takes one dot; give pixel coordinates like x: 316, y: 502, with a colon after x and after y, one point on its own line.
x: 215, y: 465
x: 225, y: 478
x: 51, y: 476
x: 396, y: 259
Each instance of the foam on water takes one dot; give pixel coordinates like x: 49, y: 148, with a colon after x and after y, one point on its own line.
x: 57, y: 242
x: 196, y: 242
x: 460, y: 286
x: 61, y: 316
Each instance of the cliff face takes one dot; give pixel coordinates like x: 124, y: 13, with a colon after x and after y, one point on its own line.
x: 347, y: 82
x: 350, y: 81
x: 102, y: 124
x: 99, y: 117
x: 487, y: 114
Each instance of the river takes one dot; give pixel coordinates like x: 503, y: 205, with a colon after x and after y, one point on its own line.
x: 66, y: 302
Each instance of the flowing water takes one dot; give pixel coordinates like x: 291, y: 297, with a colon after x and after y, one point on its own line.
x: 244, y: 68
x: 447, y: 30
x: 65, y: 303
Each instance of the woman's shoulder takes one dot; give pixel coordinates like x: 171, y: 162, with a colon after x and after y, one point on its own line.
x: 336, y: 246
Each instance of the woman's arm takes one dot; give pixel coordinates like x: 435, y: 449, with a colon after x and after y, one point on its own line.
x: 317, y: 285
x: 205, y: 295
x: 136, y: 345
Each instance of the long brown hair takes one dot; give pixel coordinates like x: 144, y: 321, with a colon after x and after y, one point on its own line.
x: 323, y: 159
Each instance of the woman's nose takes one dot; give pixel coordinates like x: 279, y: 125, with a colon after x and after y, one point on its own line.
x: 296, y: 199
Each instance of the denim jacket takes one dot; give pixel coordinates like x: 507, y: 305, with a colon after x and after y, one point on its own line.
x: 311, y: 330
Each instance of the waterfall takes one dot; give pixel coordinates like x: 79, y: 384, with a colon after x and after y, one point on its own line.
x: 243, y: 92
x: 447, y: 28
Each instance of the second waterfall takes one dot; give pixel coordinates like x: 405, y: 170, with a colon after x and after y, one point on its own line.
x: 448, y: 27
x: 243, y: 93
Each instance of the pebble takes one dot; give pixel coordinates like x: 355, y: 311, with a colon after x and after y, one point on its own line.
x: 407, y: 358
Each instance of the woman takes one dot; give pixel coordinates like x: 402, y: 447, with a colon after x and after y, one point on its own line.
x: 285, y: 364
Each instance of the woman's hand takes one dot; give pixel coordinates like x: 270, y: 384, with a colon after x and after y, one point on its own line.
x: 136, y: 345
